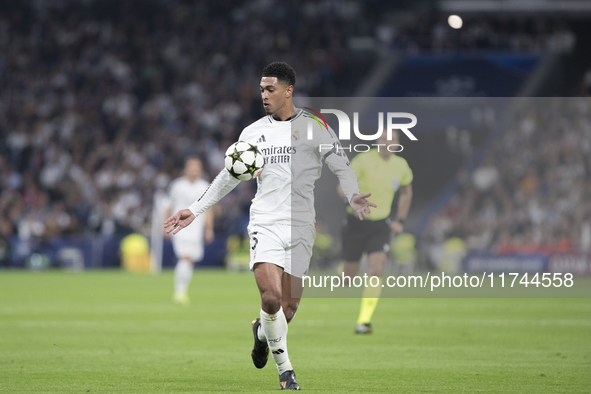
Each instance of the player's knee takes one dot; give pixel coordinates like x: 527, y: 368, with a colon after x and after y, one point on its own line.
x: 271, y: 301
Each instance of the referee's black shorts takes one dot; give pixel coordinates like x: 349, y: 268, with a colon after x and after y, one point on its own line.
x: 364, y: 236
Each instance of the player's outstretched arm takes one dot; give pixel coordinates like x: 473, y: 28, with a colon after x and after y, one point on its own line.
x: 361, y: 205
x: 339, y: 165
x: 223, y: 184
x: 178, y: 221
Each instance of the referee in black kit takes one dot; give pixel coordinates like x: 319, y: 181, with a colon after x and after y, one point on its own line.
x: 384, y: 173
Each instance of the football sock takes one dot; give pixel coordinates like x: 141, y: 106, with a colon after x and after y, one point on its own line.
x: 370, y: 295
x: 261, y: 334
x: 183, y: 273
x: 275, y: 329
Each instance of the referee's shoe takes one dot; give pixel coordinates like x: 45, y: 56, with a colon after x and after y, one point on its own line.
x: 364, y: 328
x: 260, y: 351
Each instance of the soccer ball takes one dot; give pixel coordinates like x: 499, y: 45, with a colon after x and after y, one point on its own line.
x: 244, y: 161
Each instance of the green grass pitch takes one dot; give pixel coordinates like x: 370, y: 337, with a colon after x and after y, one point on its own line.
x: 113, y: 332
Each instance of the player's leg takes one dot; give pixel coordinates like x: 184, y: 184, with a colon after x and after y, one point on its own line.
x: 270, y: 291
x: 299, y: 242
x: 268, y: 277
x: 264, y: 246
x: 375, y: 264
x: 270, y: 244
x: 183, y: 271
x: 273, y: 322
x: 291, y: 296
x: 187, y: 250
x: 290, y: 301
x: 354, y: 239
x: 297, y: 262
x: 377, y: 246
x: 183, y: 274
x: 350, y: 270
x: 371, y: 295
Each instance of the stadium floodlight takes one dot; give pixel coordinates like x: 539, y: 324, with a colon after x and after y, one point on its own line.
x: 455, y: 22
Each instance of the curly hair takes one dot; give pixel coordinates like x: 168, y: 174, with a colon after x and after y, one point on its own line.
x: 282, y: 71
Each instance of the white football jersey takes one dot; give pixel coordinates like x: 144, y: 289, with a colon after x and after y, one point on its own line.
x: 293, y: 163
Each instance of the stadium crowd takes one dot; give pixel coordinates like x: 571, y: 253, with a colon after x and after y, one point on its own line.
x: 531, y: 192
x: 415, y: 32
x: 101, y: 101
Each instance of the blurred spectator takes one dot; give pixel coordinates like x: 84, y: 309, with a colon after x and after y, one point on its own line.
x: 101, y: 101
x: 5, y: 249
x: 420, y: 31
x: 532, y: 192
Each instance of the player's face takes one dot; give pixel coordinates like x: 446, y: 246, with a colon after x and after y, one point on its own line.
x: 193, y: 169
x: 274, y: 94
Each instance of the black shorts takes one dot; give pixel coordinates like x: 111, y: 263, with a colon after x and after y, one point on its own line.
x: 364, y: 236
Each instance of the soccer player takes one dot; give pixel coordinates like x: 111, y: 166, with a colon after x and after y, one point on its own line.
x: 384, y: 173
x: 188, y: 245
x: 282, y: 211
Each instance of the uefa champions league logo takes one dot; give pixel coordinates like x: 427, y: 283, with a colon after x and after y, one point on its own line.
x: 344, y: 132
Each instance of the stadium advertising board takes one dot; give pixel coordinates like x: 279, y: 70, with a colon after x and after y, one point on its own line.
x: 511, y: 263
x: 577, y: 263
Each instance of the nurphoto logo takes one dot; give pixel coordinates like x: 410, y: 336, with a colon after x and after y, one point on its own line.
x: 344, y: 129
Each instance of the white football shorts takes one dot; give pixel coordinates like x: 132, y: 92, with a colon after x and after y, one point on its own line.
x: 188, y: 246
x: 289, y: 247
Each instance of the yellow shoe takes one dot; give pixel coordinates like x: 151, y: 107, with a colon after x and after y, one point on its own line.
x: 181, y: 298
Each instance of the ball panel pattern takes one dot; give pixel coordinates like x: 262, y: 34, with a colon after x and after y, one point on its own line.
x: 243, y: 160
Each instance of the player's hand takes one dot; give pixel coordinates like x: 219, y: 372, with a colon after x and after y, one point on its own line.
x: 361, y: 206
x: 396, y: 227
x: 178, y: 221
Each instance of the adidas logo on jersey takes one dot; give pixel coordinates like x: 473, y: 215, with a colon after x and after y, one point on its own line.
x: 262, y: 139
